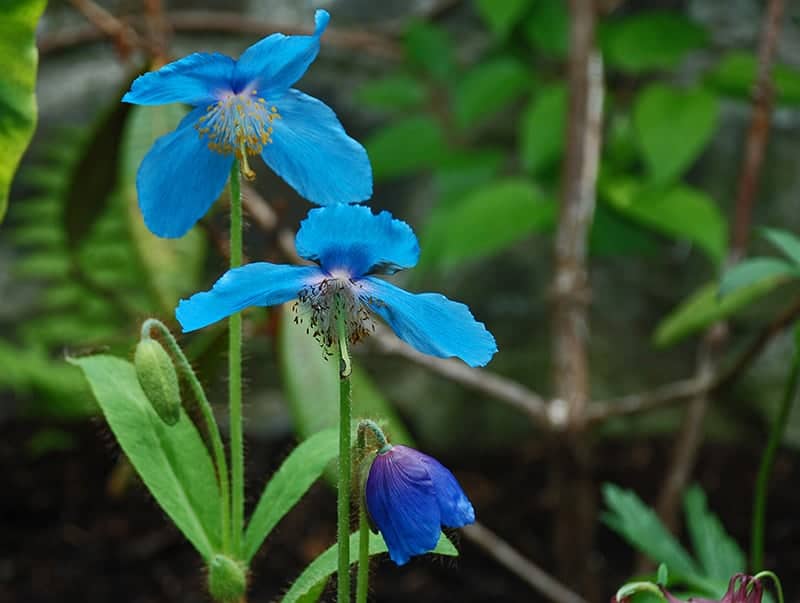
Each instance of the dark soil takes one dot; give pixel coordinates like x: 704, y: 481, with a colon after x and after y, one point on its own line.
x: 64, y: 537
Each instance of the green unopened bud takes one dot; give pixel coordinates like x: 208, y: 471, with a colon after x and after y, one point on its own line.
x: 227, y: 579
x: 158, y: 379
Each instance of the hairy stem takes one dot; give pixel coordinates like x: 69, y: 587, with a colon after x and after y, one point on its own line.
x: 235, y: 370
x: 362, y: 579
x: 343, y: 502
x: 217, y: 448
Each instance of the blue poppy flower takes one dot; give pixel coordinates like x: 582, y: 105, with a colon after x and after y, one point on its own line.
x: 244, y: 108
x: 350, y: 244
x: 409, y: 497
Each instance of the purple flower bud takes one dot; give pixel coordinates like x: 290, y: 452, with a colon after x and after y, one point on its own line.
x: 410, y: 496
x: 741, y: 589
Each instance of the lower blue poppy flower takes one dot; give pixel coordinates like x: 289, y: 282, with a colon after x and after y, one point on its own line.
x: 409, y: 497
x: 350, y: 245
x: 242, y: 109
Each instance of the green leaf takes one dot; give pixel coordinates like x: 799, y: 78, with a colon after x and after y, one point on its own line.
x: 638, y: 524
x: 172, y: 461
x: 311, y: 384
x: 749, y: 272
x: 502, y: 15
x: 673, y: 128
x: 429, y: 49
x: 406, y: 146
x: 705, y: 307
x: 462, y: 172
x: 487, y: 88
x: 784, y: 240
x: 485, y: 221
x: 735, y: 75
x: 678, y: 211
x: 18, y: 62
x: 326, y: 564
x: 542, y: 129
x: 717, y: 552
x: 173, y: 267
x: 546, y: 27
x: 613, y: 234
x: 662, y: 575
x: 289, y: 483
x: 649, y: 41
x: 397, y: 92
x: 95, y: 175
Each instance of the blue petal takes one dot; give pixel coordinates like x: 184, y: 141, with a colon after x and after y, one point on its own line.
x: 196, y: 79
x: 351, y: 237
x: 278, y: 61
x: 431, y: 323
x: 313, y: 153
x: 454, y: 506
x: 179, y: 179
x: 402, y: 504
x: 257, y: 284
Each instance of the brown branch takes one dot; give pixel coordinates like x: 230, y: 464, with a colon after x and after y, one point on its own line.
x: 511, y: 559
x: 375, y: 44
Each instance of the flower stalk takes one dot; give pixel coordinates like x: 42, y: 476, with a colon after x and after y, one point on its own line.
x: 362, y: 578
x: 343, y: 502
x: 217, y: 448
x: 235, y: 371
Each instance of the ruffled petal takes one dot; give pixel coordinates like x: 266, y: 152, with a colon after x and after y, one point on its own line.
x: 430, y: 322
x: 454, y: 506
x: 257, y: 284
x: 278, y: 61
x: 402, y: 504
x: 351, y: 237
x: 197, y: 79
x: 179, y: 179
x: 313, y: 153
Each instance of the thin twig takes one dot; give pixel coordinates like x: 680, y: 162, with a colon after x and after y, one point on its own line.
x: 511, y: 559
x: 106, y: 24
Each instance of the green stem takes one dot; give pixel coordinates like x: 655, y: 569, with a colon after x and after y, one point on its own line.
x: 217, y: 448
x: 235, y: 371
x: 343, y: 502
x: 765, y: 469
x: 362, y: 578
x: 775, y: 582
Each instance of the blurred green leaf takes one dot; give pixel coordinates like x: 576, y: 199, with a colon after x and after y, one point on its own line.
x: 679, y: 211
x: 173, y: 267
x: 406, y: 146
x: 461, y: 172
x: 748, y: 272
x: 484, y: 222
x: 487, y: 88
x: 290, y: 482
x: 172, y: 461
x: 785, y: 241
x: 542, y: 129
x: 614, y: 234
x: 397, y: 92
x: 716, y: 551
x: 311, y: 384
x: 502, y: 15
x: 662, y: 576
x: 326, y: 564
x: 735, y: 75
x: 547, y: 26
x: 649, y: 40
x: 638, y: 524
x: 429, y: 49
x: 705, y: 307
x: 18, y: 62
x: 95, y: 175
x: 673, y: 128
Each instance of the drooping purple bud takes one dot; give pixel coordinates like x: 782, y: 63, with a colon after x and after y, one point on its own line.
x: 410, y: 496
x: 741, y: 589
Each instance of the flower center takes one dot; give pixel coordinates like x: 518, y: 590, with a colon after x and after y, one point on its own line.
x: 240, y: 124
x: 319, y: 306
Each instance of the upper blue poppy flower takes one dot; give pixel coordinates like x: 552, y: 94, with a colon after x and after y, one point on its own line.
x: 409, y: 497
x: 244, y: 108
x: 350, y: 244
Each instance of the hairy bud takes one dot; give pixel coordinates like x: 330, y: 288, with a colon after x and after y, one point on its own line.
x: 158, y: 379
x: 227, y: 579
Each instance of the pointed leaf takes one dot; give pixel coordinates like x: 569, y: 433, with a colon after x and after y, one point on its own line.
x: 326, y: 564
x: 18, y: 62
x: 502, y: 15
x: 786, y: 241
x: 547, y: 26
x: 673, y: 128
x: 748, y: 272
x: 173, y: 462
x: 291, y: 481
x: 638, y: 524
x: 735, y: 75
x: 487, y: 88
x: 542, y: 129
x: 717, y: 552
